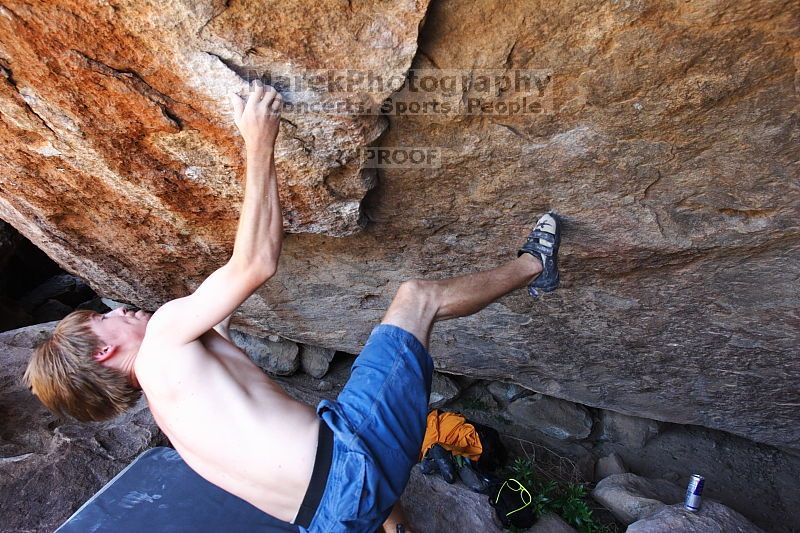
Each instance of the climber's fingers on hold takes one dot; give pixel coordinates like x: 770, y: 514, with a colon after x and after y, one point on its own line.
x: 277, y: 103
x: 269, y: 96
x: 256, y: 94
x: 238, y: 106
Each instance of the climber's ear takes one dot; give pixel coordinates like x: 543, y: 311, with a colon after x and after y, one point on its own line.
x: 104, y: 353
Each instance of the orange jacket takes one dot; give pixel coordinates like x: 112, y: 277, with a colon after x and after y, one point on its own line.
x: 453, y: 432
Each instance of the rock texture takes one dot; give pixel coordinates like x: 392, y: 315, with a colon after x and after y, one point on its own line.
x: 506, y: 392
x: 432, y: 505
x: 556, y: 418
x: 443, y: 390
x: 122, y: 108
x: 551, y: 523
x: 273, y: 354
x: 630, y: 497
x: 9, y: 239
x: 713, y: 517
x: 49, y: 466
x: 609, y: 465
x: 756, y: 480
x: 315, y: 360
x: 669, y: 149
x: 630, y: 431
x: 476, y: 397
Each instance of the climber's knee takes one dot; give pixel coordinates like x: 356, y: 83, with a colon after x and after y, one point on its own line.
x: 414, y: 307
x: 420, y: 294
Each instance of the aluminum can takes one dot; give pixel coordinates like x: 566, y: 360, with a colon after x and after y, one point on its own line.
x: 693, y: 493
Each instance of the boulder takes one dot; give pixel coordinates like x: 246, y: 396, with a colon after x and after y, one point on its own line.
x: 671, y: 475
x: 557, y: 418
x: 736, y: 469
x: 50, y: 466
x: 630, y: 497
x: 95, y: 304
x: 280, y: 356
x: 443, y: 390
x: 609, y: 465
x: 315, y: 360
x: 712, y: 517
x: 477, y: 398
x: 9, y: 240
x: 505, y: 392
x: 112, y: 304
x: 433, y: 506
x: 666, y: 141
x: 551, y: 523
x: 630, y: 431
x: 162, y: 88
x: 585, y: 466
x: 65, y: 288
x: 11, y: 316
x: 51, y: 310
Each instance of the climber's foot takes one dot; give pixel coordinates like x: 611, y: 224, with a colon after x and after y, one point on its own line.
x: 542, y: 245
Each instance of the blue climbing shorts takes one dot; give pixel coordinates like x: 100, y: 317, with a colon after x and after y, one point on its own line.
x: 378, y: 423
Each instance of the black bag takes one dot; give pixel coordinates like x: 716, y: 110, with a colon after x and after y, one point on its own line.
x: 494, y: 453
x: 512, y: 503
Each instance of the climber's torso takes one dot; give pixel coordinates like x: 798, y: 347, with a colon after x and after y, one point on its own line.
x: 230, y: 422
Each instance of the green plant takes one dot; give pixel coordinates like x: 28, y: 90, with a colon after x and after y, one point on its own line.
x: 541, y: 491
x: 567, y: 500
x: 571, y: 505
x: 522, y: 470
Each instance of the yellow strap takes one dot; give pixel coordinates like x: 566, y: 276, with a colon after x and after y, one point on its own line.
x: 521, y: 490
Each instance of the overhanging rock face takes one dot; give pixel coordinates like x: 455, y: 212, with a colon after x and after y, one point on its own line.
x: 120, y: 153
x: 670, y: 149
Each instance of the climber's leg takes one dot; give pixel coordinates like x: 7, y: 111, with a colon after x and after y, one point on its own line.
x: 385, y: 402
x: 420, y: 303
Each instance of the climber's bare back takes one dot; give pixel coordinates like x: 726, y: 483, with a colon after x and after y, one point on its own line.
x: 229, y: 421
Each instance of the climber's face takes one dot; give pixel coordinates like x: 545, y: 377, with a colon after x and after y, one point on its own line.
x: 121, y: 327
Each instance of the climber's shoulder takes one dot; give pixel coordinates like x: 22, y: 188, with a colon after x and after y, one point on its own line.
x: 159, y: 360
x: 184, y: 320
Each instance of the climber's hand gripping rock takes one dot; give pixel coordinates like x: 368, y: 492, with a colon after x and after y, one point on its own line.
x: 258, y: 117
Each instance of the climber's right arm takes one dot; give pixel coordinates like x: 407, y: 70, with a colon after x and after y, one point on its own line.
x: 224, y: 328
x: 259, y: 237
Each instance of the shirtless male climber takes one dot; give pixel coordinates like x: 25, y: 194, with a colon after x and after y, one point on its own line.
x: 339, y: 467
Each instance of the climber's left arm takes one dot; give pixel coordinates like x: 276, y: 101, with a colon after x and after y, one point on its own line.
x: 259, y: 237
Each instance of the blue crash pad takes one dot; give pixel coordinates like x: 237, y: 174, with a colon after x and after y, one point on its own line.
x: 159, y: 492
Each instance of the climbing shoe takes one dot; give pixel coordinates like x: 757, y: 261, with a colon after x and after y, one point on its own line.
x: 428, y: 465
x: 543, y: 243
x: 475, y: 481
x: 443, y: 460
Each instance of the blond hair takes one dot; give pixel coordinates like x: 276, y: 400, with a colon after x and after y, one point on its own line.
x: 65, y: 377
